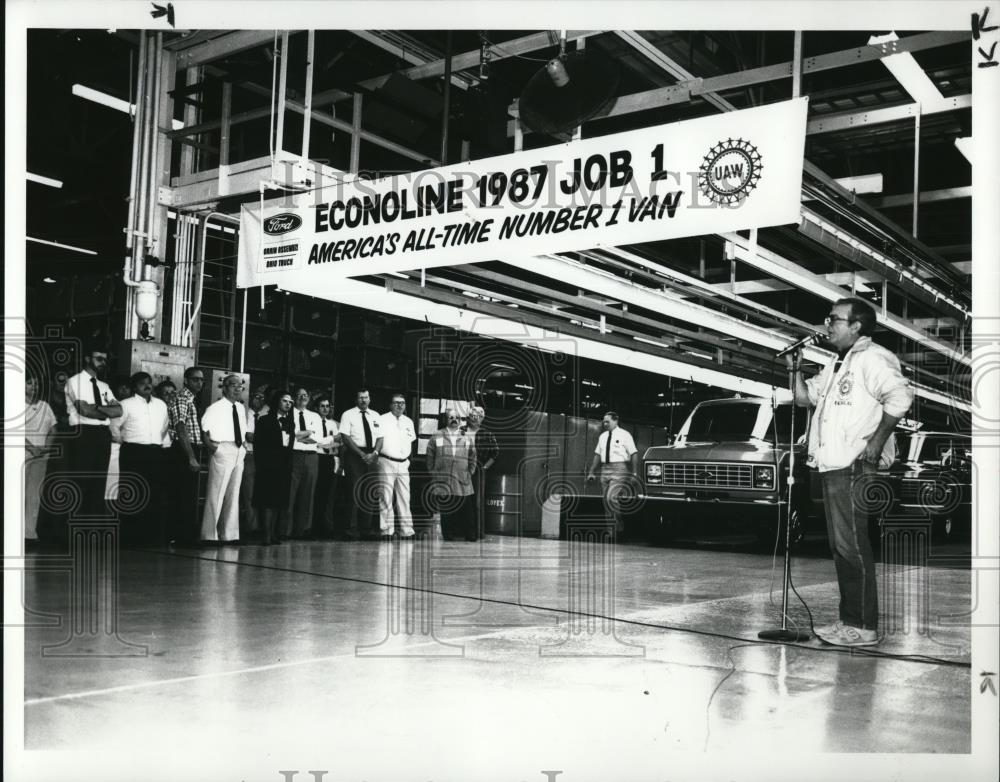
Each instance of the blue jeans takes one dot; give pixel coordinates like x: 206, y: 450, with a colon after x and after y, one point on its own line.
x: 847, y: 531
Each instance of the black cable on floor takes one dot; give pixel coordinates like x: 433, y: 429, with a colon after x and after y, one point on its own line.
x: 853, y: 651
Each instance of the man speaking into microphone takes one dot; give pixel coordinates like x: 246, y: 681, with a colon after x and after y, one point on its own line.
x: 858, y: 399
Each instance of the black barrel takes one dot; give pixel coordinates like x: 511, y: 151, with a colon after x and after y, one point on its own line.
x: 503, y: 505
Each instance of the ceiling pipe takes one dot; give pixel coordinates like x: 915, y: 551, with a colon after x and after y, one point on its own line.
x: 446, y: 110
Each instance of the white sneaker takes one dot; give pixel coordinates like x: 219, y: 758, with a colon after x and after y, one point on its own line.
x: 828, y: 629
x: 847, y: 635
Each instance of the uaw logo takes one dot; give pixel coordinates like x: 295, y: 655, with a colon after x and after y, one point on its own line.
x: 281, y: 224
x: 845, y: 386
x: 730, y: 171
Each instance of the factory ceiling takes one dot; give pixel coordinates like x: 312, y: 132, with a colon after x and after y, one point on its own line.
x: 864, y: 127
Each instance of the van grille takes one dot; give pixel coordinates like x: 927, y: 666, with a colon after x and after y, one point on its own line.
x: 708, y: 474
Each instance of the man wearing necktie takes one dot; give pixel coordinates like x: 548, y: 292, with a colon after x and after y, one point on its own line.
x: 618, y: 459
x: 91, y: 405
x: 224, y: 425
x: 361, y: 437
x: 305, y: 468
x: 329, y: 471
x: 248, y: 513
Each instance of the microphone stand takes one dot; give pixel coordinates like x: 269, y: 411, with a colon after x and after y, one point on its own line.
x: 784, y: 634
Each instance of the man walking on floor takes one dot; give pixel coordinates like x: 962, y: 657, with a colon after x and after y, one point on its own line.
x: 859, y: 398
x: 618, y: 459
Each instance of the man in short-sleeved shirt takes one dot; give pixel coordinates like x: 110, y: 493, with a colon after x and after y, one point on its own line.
x: 398, y: 436
x: 186, y: 456
x: 360, y: 436
x: 618, y: 459
x: 91, y: 405
x: 328, y: 474
x: 225, y: 428
x: 298, y: 519
x: 141, y: 430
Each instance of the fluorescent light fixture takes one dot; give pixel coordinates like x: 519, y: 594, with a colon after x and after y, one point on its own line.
x: 43, y: 180
x: 49, y: 280
x: 87, y: 93
x: 866, y: 183
x: 965, y: 147
x: 651, y: 342
x: 909, y: 74
x: 400, y: 275
x: 62, y: 246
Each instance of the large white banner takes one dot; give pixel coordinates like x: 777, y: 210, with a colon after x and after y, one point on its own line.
x: 726, y: 172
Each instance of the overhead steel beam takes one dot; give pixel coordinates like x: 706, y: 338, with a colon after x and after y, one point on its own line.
x: 852, y: 120
x: 582, y: 276
x: 926, y: 197
x: 504, y: 323
x: 602, y: 306
x: 846, y: 246
x: 773, y: 264
x: 224, y: 45
x: 411, y: 53
x: 694, y: 86
x: 470, y: 59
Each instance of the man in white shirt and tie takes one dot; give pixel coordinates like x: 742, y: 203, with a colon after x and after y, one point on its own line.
x: 90, y: 405
x: 224, y: 425
x: 618, y: 459
x: 329, y: 471
x: 305, y: 468
x: 398, y: 436
x: 142, y: 432
x: 361, y: 438
x: 248, y: 514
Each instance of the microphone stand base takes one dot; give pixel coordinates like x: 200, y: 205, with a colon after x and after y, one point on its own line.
x: 788, y: 636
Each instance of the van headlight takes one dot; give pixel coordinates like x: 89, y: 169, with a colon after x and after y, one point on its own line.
x: 763, y: 477
x: 654, y: 473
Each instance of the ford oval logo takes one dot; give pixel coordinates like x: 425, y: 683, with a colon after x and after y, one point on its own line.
x: 281, y: 224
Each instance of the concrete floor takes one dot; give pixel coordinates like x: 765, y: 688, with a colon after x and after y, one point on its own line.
x: 434, y: 661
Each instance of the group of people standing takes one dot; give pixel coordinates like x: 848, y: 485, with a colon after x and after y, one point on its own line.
x: 277, y: 469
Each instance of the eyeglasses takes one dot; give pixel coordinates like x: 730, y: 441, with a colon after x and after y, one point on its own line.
x: 831, y: 318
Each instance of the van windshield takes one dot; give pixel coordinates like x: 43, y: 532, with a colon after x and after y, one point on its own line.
x: 735, y: 421
x: 715, y: 423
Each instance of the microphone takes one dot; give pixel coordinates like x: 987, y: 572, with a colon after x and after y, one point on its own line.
x: 811, y: 339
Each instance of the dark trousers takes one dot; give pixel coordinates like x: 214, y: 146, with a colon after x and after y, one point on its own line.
x: 141, y: 511
x: 847, y: 530
x: 364, y: 487
x: 87, y: 459
x: 458, y: 517
x: 326, y: 496
x: 185, y: 522
x: 248, y: 513
x: 299, y: 515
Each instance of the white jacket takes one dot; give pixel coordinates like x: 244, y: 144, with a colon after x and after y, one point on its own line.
x: 850, y: 403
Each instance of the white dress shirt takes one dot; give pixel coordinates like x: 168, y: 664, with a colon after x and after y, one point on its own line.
x: 217, y: 422
x: 141, y: 422
x: 622, y: 446
x: 315, y: 426
x: 332, y: 443
x: 80, y: 389
x: 397, y: 435
x: 252, y: 416
x: 351, y: 426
